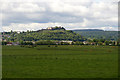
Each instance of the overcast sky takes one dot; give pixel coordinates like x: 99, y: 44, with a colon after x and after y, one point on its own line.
x: 71, y: 14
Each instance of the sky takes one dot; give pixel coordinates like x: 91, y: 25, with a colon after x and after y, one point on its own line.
x: 72, y: 14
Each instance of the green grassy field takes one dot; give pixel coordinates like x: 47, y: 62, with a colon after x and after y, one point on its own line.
x: 68, y: 61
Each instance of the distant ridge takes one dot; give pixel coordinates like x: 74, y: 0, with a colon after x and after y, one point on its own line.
x: 88, y: 30
x: 98, y: 34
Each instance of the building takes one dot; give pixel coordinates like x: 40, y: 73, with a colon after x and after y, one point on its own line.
x: 85, y: 42
x: 55, y: 28
x: 18, y: 32
x: 49, y: 28
x: 70, y: 42
x: 9, y: 44
x: 15, y: 43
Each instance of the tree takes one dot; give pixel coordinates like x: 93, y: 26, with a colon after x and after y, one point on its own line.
x: 4, y: 43
x: 106, y: 42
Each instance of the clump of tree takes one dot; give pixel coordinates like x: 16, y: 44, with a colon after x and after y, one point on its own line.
x: 4, y: 43
x: 26, y: 43
x: 45, y: 42
x: 103, y: 42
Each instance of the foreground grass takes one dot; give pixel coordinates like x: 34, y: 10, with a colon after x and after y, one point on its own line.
x: 60, y: 62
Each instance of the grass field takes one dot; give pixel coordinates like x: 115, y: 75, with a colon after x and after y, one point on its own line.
x: 68, y: 61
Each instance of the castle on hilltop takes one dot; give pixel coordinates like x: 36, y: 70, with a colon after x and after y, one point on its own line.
x: 55, y: 28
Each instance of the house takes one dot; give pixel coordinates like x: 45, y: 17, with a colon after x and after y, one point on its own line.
x: 110, y: 44
x: 9, y: 44
x: 116, y: 43
x: 49, y: 28
x: 93, y: 43
x: 85, y: 42
x: 15, y: 43
x: 12, y: 43
x: 18, y: 32
x: 4, y: 40
x: 70, y: 42
x: 33, y: 42
x: 59, y: 42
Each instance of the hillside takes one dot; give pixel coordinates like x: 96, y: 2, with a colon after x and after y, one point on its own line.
x: 108, y: 35
x: 46, y: 34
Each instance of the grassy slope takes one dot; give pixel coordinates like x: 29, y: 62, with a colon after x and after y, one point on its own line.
x: 60, y: 62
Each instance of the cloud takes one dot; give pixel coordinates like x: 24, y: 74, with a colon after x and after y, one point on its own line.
x: 109, y: 28
x: 27, y: 7
x: 71, y: 14
x: 38, y: 26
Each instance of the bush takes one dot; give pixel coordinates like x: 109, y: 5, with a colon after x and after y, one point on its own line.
x: 26, y: 43
x: 45, y: 43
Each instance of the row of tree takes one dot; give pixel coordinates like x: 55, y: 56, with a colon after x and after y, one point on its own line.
x: 52, y: 42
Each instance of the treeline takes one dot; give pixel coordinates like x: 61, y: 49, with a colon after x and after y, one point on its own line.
x: 52, y: 42
x: 111, y: 43
x: 45, y: 42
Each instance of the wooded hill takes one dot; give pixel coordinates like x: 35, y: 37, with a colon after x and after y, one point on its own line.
x: 98, y: 34
x: 52, y: 33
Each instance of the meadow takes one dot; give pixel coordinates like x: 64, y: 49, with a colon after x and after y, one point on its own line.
x: 63, y: 61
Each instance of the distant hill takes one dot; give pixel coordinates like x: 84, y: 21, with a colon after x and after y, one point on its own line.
x: 98, y: 34
x: 88, y: 30
x: 53, y: 33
